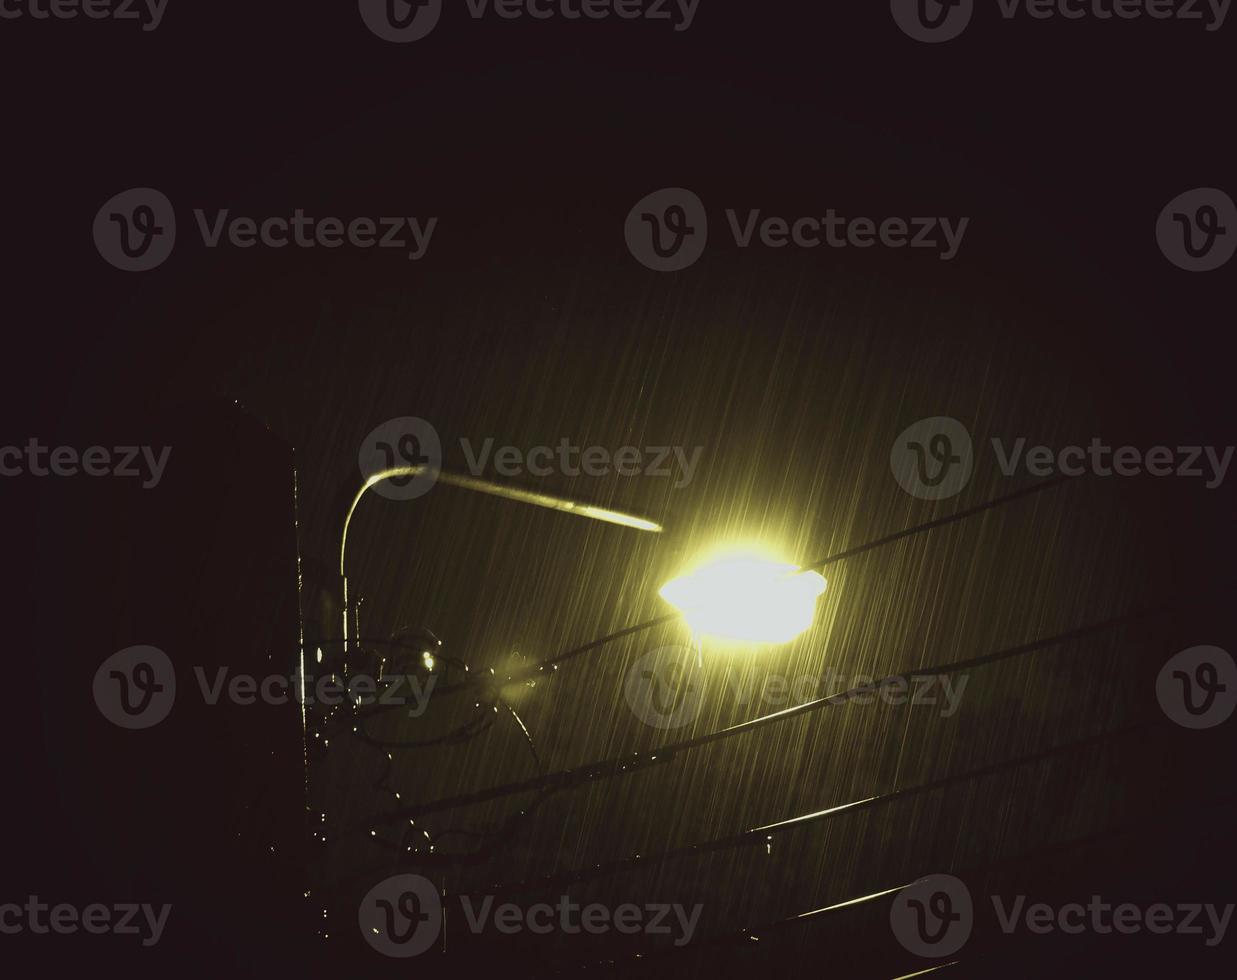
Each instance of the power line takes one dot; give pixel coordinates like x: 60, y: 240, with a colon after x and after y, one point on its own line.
x: 1147, y: 818
x: 622, y: 765
x: 553, y: 663
x: 759, y: 836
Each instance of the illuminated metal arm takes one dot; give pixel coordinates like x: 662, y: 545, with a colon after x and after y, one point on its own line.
x: 560, y: 504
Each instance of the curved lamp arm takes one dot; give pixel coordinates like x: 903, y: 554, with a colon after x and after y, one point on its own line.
x: 560, y: 504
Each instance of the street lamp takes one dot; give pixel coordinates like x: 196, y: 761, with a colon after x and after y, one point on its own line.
x: 745, y: 594
x: 478, y: 485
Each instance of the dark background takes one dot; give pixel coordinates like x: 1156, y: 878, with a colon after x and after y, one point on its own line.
x: 529, y: 321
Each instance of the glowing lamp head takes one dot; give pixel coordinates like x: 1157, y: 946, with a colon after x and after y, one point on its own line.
x: 746, y: 596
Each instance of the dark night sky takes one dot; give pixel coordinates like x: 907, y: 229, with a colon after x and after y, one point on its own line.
x: 528, y: 321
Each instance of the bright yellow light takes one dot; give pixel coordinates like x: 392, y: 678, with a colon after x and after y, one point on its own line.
x: 746, y: 595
